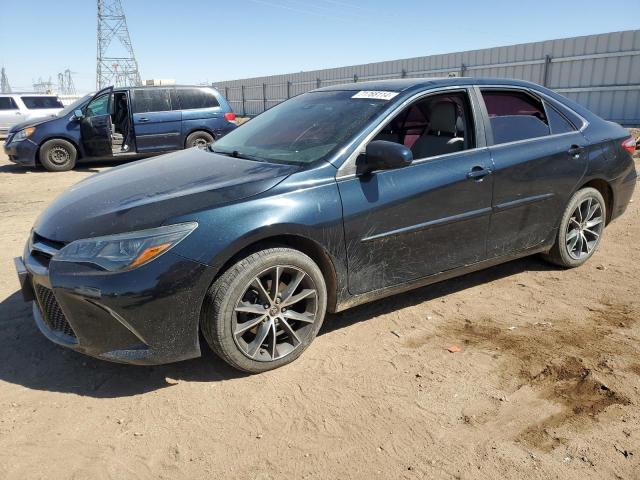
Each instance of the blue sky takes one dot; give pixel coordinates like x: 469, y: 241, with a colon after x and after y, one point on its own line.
x: 198, y: 41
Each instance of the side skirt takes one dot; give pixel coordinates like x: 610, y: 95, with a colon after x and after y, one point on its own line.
x: 355, y: 300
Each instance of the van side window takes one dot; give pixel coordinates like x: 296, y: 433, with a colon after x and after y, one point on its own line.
x: 98, y: 106
x: 515, y: 115
x: 192, y: 98
x: 557, y: 121
x: 435, y: 125
x: 151, y: 100
x: 41, y: 103
x: 8, y: 103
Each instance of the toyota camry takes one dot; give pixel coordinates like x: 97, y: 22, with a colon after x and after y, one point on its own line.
x: 336, y: 197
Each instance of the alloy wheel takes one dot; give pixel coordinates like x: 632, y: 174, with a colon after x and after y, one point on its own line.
x: 275, y: 314
x: 584, y: 228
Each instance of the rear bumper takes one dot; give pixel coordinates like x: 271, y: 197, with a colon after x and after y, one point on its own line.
x: 146, y: 316
x: 22, y: 152
x: 622, y: 192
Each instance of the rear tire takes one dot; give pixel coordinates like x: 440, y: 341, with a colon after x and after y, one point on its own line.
x: 58, y: 155
x: 199, y: 139
x: 580, y: 230
x: 253, y: 325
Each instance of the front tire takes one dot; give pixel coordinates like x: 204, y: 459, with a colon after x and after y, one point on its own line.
x: 265, y: 310
x: 581, y: 229
x: 199, y: 140
x: 58, y: 155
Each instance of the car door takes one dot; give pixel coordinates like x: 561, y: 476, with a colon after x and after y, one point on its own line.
x: 10, y: 114
x: 404, y: 224
x: 156, y: 127
x: 95, y: 124
x: 535, y: 169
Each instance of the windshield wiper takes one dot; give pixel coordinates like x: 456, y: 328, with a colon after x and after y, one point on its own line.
x: 235, y: 154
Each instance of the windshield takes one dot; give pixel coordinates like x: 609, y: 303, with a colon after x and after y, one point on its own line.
x: 75, y: 105
x: 302, y: 130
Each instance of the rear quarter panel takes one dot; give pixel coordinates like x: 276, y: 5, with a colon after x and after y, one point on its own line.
x: 208, y: 119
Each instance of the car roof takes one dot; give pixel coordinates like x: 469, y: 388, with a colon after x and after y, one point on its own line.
x: 400, y: 85
x: 144, y: 87
x: 30, y: 94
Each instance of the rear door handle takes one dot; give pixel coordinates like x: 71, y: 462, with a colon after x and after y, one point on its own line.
x: 575, y: 151
x: 478, y: 173
x: 143, y: 119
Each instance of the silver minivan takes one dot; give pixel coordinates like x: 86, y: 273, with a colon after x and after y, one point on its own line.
x: 18, y: 107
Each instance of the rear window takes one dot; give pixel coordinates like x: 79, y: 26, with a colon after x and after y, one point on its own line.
x: 515, y: 115
x: 192, y: 98
x: 8, y: 103
x: 41, y: 103
x: 557, y: 121
x: 151, y: 100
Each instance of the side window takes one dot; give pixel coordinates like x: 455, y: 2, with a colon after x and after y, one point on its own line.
x: 515, y: 115
x: 192, y: 98
x: 557, y: 122
x: 41, y: 103
x: 8, y: 103
x: 98, y: 106
x: 436, y: 125
x: 151, y: 100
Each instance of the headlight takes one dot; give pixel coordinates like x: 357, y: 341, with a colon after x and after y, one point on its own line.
x: 24, y: 133
x: 125, y: 251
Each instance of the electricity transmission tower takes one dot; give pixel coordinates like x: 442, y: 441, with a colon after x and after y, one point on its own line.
x: 116, y: 63
x: 43, y: 86
x: 65, y: 83
x: 4, y: 82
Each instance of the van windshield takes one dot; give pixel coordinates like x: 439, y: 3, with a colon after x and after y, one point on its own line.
x: 303, y: 129
x: 74, y: 106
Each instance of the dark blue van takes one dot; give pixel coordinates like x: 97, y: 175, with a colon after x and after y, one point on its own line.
x: 126, y: 122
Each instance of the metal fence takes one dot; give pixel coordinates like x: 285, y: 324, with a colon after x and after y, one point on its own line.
x: 602, y: 72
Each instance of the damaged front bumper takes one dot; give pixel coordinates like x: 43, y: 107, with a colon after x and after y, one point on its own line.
x: 146, y: 316
x: 22, y: 152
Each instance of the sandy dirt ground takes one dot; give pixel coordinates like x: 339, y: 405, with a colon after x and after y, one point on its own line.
x: 546, y: 385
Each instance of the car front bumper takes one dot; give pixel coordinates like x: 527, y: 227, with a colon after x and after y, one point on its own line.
x: 146, y: 316
x: 22, y: 152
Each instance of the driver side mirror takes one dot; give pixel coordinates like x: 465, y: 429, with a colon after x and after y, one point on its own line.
x: 383, y: 155
x: 77, y: 114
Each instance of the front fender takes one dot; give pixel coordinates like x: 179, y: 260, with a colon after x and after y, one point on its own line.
x: 313, y: 212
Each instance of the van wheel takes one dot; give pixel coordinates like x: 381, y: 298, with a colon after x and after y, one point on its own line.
x: 265, y: 310
x: 581, y: 229
x: 199, y: 140
x: 58, y: 155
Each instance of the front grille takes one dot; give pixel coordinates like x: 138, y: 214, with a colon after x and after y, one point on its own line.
x: 51, y: 312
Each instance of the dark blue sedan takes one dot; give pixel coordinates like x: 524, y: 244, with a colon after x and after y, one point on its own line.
x: 122, y: 123
x: 331, y: 199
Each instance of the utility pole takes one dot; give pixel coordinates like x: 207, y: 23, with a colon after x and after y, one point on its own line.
x: 4, y: 82
x: 113, y: 68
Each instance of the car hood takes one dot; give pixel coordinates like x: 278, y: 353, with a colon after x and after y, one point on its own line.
x: 32, y: 122
x: 150, y: 192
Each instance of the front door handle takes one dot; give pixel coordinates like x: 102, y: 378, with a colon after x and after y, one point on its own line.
x: 143, y: 119
x: 575, y: 151
x: 478, y: 173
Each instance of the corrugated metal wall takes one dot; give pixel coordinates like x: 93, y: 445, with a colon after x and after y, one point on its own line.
x: 602, y: 72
